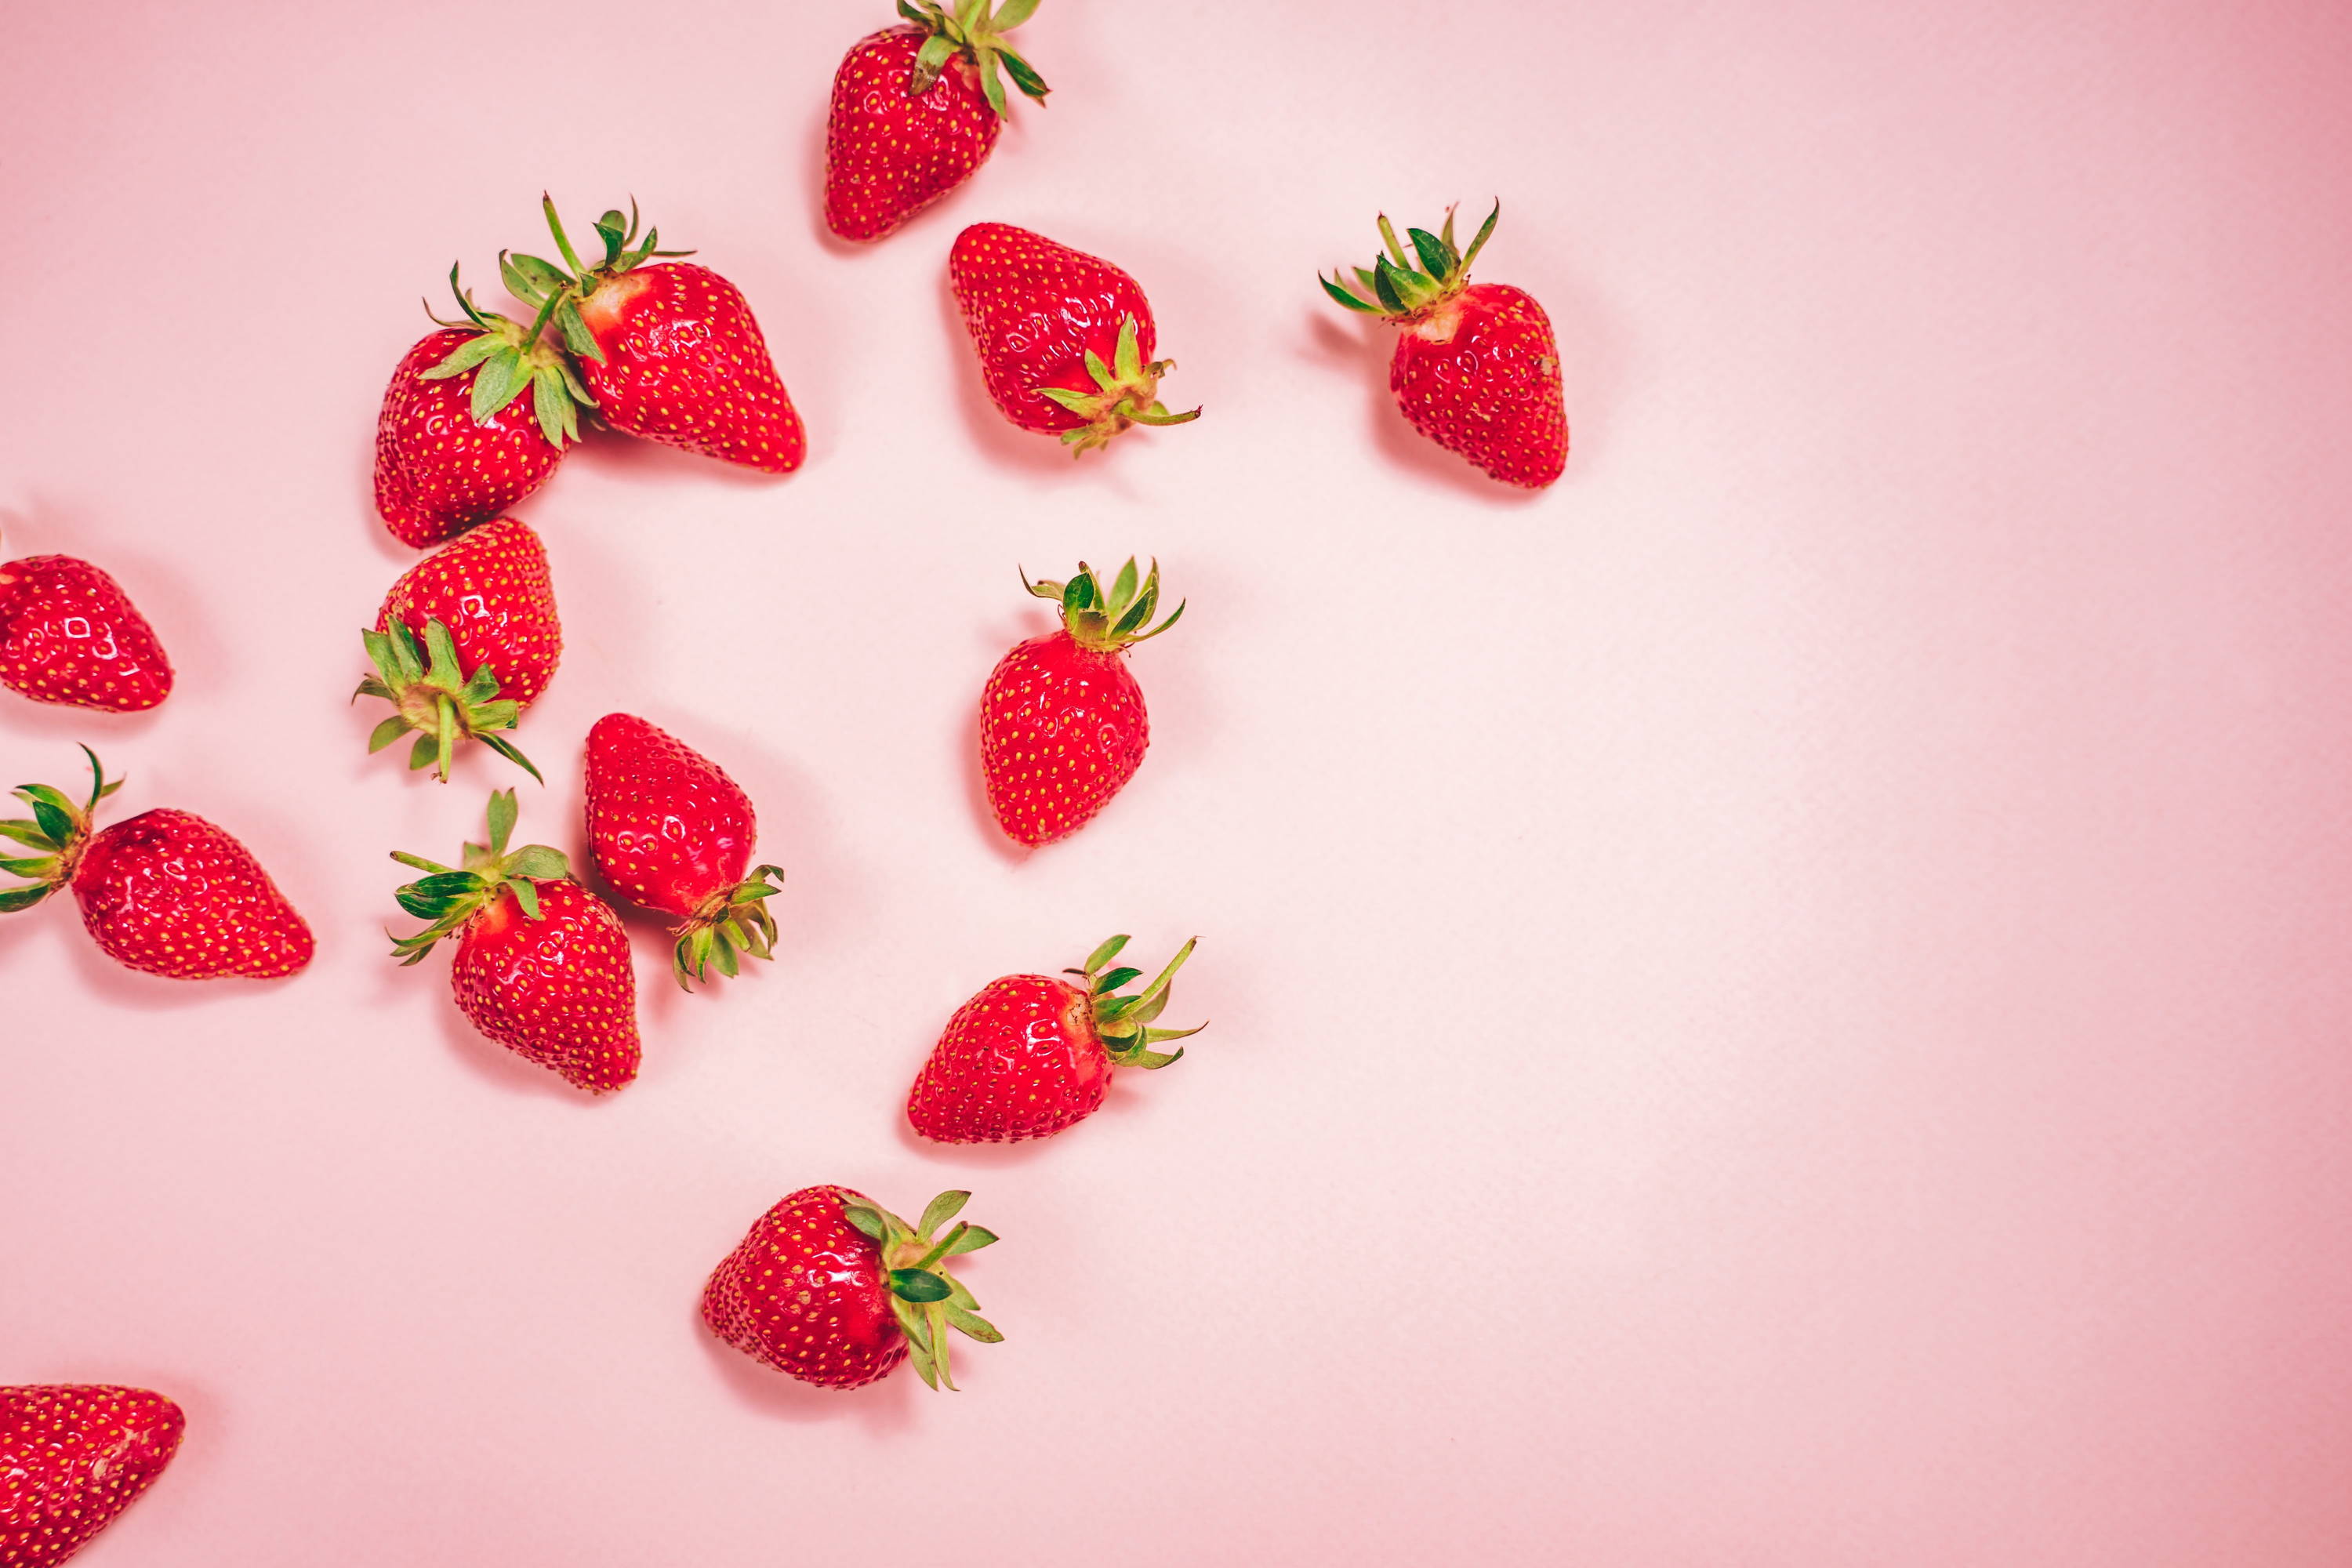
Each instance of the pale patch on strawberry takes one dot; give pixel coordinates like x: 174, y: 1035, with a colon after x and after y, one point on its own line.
x: 72, y: 1458
x: 1476, y: 369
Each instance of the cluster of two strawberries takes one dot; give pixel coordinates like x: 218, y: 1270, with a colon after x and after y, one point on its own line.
x: 71, y: 636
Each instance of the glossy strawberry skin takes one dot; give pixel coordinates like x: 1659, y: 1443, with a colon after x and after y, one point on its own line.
x: 685, y: 365
x: 1019, y: 1061
x: 437, y: 473
x: 491, y: 588
x: 558, y: 991
x: 69, y: 633
x: 804, y: 1292
x: 669, y: 829
x: 886, y: 155
x: 1480, y: 377
x: 72, y: 1458
x: 1062, y: 729
x: 168, y: 893
x: 1034, y: 309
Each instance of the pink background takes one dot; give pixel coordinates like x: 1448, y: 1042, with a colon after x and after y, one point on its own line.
x: 1784, y: 1001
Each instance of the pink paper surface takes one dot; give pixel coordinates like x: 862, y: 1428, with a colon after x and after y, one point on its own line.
x: 1784, y: 1001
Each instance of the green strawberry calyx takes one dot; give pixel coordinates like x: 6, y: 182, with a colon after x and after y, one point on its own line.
x: 1123, y: 1022
x: 1107, y: 622
x: 451, y: 895
x: 733, y: 922
x: 56, y: 833
x: 926, y: 1298
x: 556, y: 294
x: 974, y: 29
x: 1126, y: 392
x: 505, y: 358
x: 1400, y: 291
x: 432, y: 693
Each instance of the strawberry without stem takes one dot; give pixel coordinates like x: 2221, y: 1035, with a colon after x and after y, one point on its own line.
x: 1475, y: 370
x: 542, y: 966
x: 473, y: 420
x: 917, y: 110
x: 72, y: 1458
x: 70, y: 633
x: 837, y: 1291
x: 1032, y: 1054
x: 1064, y: 339
x: 1062, y: 721
x: 465, y: 640
x: 166, y: 892
x: 674, y: 833
x: 670, y: 350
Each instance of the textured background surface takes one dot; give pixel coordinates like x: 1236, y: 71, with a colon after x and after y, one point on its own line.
x: 1782, y: 1002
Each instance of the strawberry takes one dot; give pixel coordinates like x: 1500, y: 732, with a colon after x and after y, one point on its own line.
x: 72, y: 1456
x: 837, y: 1291
x: 542, y: 966
x: 473, y: 420
x: 1032, y: 1054
x: 465, y: 640
x: 166, y: 892
x: 69, y: 633
x: 917, y: 110
x: 670, y: 352
x: 1062, y: 337
x: 1062, y: 725
x: 673, y: 832
x: 1477, y: 370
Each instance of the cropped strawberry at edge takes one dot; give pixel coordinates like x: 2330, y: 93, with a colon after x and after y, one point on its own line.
x: 164, y: 892
x: 72, y: 1458
x: 917, y: 109
x: 69, y: 634
x: 1476, y: 368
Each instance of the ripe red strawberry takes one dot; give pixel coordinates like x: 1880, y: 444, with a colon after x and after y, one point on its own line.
x: 1064, y: 337
x: 542, y: 966
x: 1032, y: 1054
x: 917, y: 110
x: 473, y: 420
x: 674, y: 833
x: 1477, y: 370
x: 166, y: 892
x: 838, y: 1292
x: 670, y: 352
x: 1062, y: 724
x: 465, y: 640
x: 72, y: 1456
x: 69, y: 633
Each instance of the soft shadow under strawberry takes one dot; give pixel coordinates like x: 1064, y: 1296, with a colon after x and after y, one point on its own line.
x: 1362, y: 350
x: 884, y: 1408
